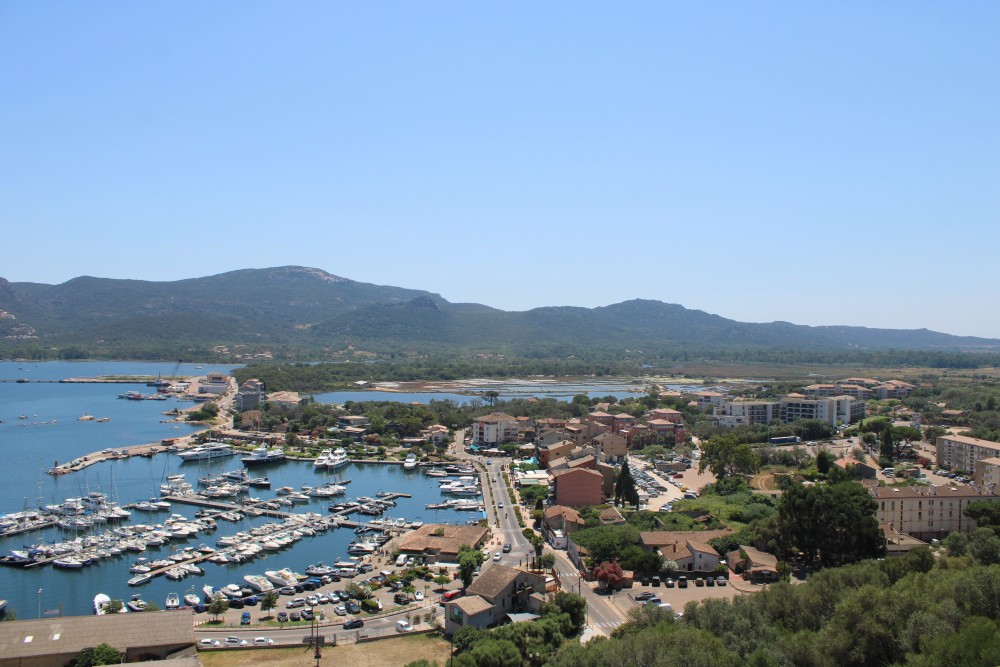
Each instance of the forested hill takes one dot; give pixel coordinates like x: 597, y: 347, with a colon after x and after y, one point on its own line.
x: 308, y: 310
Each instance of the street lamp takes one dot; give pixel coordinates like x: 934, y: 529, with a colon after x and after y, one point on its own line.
x: 39, y: 603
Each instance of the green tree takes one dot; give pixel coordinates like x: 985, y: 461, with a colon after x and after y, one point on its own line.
x: 625, y: 489
x: 269, y: 602
x: 824, y: 459
x: 468, y: 560
x: 832, y: 523
x: 547, y: 561
x: 114, y: 607
x: 496, y: 653
x: 102, y: 654
x: 575, y: 606
x: 218, y: 606
x: 725, y: 456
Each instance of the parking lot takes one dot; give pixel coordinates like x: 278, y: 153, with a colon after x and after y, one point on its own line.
x: 675, y: 596
x: 665, y: 488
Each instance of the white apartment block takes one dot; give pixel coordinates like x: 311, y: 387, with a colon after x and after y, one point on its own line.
x: 749, y: 412
x: 960, y: 452
x: 832, y: 409
x: 929, y: 512
x: 494, y: 429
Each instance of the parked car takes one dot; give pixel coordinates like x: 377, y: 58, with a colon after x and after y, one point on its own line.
x: 295, y: 616
x: 307, y: 615
x: 418, y: 596
x: 720, y: 580
x: 354, y: 624
x: 340, y: 610
x: 236, y: 641
x: 282, y: 617
x: 262, y: 641
x: 245, y: 618
x: 209, y: 643
x: 642, y: 597
x: 352, y: 607
x: 403, y: 626
x: 401, y: 598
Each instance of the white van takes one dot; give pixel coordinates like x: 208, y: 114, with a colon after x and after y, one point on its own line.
x: 401, y: 560
x: 403, y: 626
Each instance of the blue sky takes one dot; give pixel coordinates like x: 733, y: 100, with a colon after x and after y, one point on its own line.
x: 831, y: 163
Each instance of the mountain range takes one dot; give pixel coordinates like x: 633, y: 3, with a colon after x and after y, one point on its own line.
x: 307, y: 309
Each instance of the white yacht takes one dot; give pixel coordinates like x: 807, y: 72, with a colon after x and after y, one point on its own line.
x: 338, y: 459
x: 173, y: 601
x: 208, y: 451
x: 282, y: 577
x: 323, y: 459
x: 258, y: 583
x: 411, y: 461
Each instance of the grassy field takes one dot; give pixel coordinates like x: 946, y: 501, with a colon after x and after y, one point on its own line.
x: 388, y: 652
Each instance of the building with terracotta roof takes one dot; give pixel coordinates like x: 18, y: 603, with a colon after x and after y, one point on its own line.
x: 689, y: 549
x: 988, y: 472
x: 669, y: 414
x: 612, y: 447
x: 497, y: 592
x: 829, y: 409
x: 558, y: 523
x: 55, y: 642
x: 861, y: 469
x: 438, y: 542
x: 756, y: 566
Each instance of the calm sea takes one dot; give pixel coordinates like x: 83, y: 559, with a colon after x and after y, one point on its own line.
x: 51, y: 432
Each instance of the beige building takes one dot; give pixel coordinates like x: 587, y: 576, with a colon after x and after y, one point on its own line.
x: 960, y: 452
x: 494, y: 429
x: 750, y: 412
x: 492, y: 596
x: 927, y: 512
x: 988, y: 472
x: 832, y: 409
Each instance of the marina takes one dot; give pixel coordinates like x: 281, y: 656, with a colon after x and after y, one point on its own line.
x: 104, y: 556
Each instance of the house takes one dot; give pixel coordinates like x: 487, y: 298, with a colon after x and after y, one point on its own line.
x: 356, y: 421
x: 251, y: 419
x: 622, y: 422
x: 667, y: 414
x: 757, y: 567
x: 441, y: 542
x: 688, y: 548
x: 577, y: 487
x: 56, y: 642
x: 555, y: 450
x: 288, y: 400
x: 601, y: 417
x: 861, y: 469
x: 497, y: 592
x: 435, y: 433
x: 558, y: 523
x: 893, y: 389
x: 612, y: 447
x: 494, y: 429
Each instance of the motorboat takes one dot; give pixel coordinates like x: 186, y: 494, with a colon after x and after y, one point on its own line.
x: 258, y: 583
x: 411, y: 461
x: 68, y: 563
x: 139, y: 579
x: 192, y: 600
x: 435, y: 472
x: 361, y: 548
x: 136, y: 603
x: 173, y: 601
x: 282, y: 577
x: 323, y: 460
